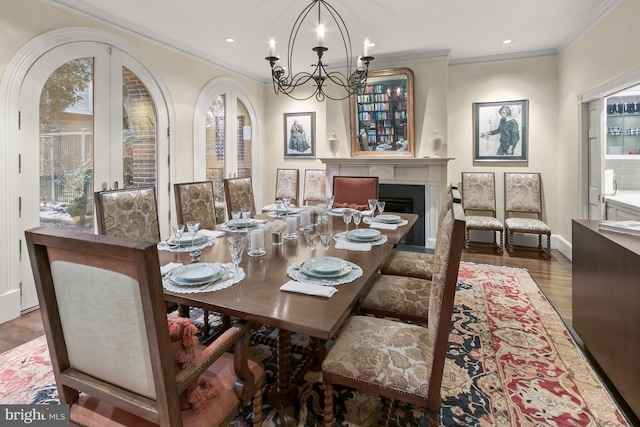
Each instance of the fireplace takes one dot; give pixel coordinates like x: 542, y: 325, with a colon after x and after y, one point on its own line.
x: 401, y: 179
x: 406, y: 199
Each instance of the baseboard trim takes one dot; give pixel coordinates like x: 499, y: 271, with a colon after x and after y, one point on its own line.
x: 562, y: 245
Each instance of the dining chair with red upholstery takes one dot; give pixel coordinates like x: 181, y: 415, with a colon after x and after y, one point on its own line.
x: 315, y: 186
x: 360, y: 355
x: 117, y: 358
x: 130, y: 213
x: 354, y: 191
x: 238, y: 193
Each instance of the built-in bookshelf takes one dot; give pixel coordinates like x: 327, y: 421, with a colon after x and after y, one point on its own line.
x: 382, y: 114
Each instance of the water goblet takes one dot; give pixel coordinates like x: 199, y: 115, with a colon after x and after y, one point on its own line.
x: 280, y: 212
x: 236, y: 247
x: 372, y: 206
x: 311, y: 237
x: 357, y: 217
x: 286, y: 201
x: 325, y: 239
x: 347, y: 214
x: 380, y: 205
x: 192, y: 228
x: 178, y: 231
x: 246, y: 212
x: 328, y: 201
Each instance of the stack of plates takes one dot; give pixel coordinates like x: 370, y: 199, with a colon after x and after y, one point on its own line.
x: 338, y: 211
x: 326, y: 267
x: 186, y: 240
x: 197, y: 274
x: 363, y: 235
x: 242, y: 223
x: 388, y: 219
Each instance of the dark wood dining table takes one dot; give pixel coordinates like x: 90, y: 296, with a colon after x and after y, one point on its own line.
x: 258, y: 297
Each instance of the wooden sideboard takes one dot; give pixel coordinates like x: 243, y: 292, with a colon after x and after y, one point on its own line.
x: 606, y: 303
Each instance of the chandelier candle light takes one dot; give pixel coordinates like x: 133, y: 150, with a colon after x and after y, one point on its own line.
x: 287, y: 81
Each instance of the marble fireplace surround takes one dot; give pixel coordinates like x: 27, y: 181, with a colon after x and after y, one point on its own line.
x: 428, y: 172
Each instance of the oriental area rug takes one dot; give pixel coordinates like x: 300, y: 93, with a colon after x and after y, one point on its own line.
x: 511, y: 362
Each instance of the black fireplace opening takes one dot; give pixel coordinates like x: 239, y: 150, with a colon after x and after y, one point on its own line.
x: 402, y: 198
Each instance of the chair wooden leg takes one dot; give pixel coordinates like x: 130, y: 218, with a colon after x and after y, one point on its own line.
x: 257, y: 404
x: 466, y: 238
x: 500, y: 235
x: 387, y: 412
x: 328, y: 405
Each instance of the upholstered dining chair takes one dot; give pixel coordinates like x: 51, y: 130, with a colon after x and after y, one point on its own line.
x: 238, y: 192
x: 354, y: 191
x: 361, y: 354
x: 479, y: 196
x: 315, y: 186
x: 418, y: 265
x: 403, y: 288
x: 523, y: 198
x: 195, y: 201
x: 286, y: 187
x: 118, y: 359
x: 130, y: 213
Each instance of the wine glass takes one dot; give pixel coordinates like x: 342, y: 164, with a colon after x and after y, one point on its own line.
x: 286, y: 201
x: 325, y: 239
x: 236, y: 247
x: 347, y: 214
x: 178, y: 231
x: 357, y: 217
x: 192, y: 228
x: 380, y: 205
x: 311, y: 237
x: 372, y: 206
x: 328, y: 201
x: 246, y: 213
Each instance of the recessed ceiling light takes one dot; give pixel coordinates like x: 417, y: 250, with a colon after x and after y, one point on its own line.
x: 507, y: 41
x: 229, y: 40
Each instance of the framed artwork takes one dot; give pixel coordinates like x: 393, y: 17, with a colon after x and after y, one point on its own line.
x: 500, y: 131
x: 300, y: 134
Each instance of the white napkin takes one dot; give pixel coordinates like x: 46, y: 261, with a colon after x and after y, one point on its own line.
x: 167, y: 268
x: 309, y: 289
x: 383, y: 226
x: 212, y: 233
x: 351, y: 246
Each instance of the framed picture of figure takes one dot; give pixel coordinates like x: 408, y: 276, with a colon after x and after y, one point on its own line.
x: 300, y: 134
x: 500, y: 131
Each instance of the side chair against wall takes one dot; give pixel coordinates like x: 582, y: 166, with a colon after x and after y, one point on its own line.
x: 115, y: 353
x: 523, y: 196
x: 238, y: 192
x: 354, y: 190
x: 404, y: 293
x: 418, y: 352
x: 418, y: 264
x: 287, y: 187
x: 315, y: 186
x: 479, y: 195
x: 130, y: 213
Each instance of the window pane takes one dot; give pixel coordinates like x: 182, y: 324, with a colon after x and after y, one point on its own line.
x: 66, y: 147
x: 138, y: 133
x: 244, y: 141
x: 215, y: 144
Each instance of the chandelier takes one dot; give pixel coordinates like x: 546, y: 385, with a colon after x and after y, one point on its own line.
x: 319, y: 78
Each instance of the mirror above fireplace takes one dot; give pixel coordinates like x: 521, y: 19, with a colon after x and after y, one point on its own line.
x: 382, y: 115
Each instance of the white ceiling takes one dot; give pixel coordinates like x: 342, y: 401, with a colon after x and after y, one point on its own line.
x: 402, y: 30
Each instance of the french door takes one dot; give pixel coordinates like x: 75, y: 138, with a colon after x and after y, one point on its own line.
x: 90, y: 120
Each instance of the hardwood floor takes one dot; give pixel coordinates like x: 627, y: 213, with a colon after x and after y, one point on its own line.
x: 554, y: 278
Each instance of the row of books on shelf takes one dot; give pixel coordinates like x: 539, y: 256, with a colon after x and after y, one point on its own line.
x: 375, y: 106
x: 381, y: 97
x: 625, y: 227
x: 401, y: 89
x: 382, y: 115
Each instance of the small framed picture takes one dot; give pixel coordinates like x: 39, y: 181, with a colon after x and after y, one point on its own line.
x: 300, y: 134
x: 500, y: 131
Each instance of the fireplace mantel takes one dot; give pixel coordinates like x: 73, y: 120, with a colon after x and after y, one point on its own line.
x: 429, y: 172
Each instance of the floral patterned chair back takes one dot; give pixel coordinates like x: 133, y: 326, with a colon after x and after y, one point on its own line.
x: 195, y: 201
x: 315, y: 186
x: 522, y: 199
x: 287, y: 185
x: 130, y: 213
x: 238, y: 193
x: 479, y: 195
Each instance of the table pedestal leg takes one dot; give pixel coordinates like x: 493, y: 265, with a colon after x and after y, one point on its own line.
x: 317, y: 352
x: 283, y: 394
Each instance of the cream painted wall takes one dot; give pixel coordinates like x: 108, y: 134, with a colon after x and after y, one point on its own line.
x: 535, y: 80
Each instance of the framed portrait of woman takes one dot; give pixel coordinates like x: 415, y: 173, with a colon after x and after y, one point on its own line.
x: 500, y: 130
x: 299, y: 134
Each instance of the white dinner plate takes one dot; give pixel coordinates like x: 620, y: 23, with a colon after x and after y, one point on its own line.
x: 186, y: 240
x: 363, y: 235
x: 388, y: 219
x: 197, y: 274
x: 326, y: 267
